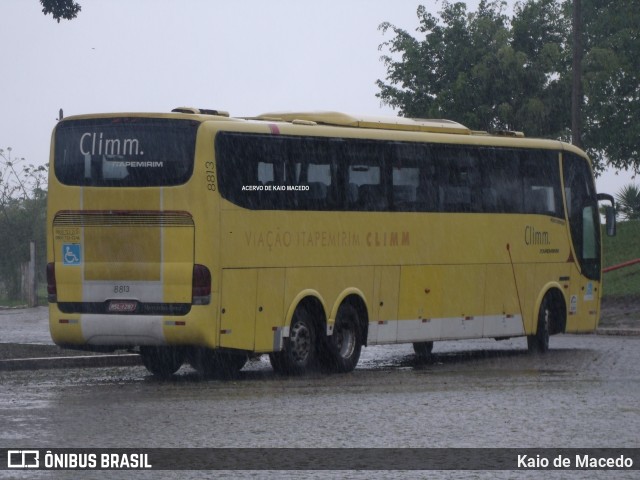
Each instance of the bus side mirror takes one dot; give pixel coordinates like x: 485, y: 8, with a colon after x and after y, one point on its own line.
x: 609, y: 214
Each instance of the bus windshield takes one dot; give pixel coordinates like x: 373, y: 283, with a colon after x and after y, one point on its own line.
x: 125, y: 151
x: 584, y: 219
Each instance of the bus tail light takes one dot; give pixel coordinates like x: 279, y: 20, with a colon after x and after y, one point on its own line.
x: 201, y: 283
x: 52, y: 289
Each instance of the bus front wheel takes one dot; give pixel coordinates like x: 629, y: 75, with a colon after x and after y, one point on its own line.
x: 162, y: 361
x: 539, y: 342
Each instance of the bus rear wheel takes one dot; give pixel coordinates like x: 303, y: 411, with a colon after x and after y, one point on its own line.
x: 539, y: 342
x: 162, y: 362
x: 300, y: 348
x: 216, y: 364
x: 344, y: 346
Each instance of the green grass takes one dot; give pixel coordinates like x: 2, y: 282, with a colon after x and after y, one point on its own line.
x: 6, y: 302
x: 41, y: 294
x: 623, y: 247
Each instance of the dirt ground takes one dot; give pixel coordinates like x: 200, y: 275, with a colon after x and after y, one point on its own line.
x: 620, y: 312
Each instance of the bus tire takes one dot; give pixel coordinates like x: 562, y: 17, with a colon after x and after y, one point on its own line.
x: 300, y: 351
x: 423, y: 349
x: 342, y: 349
x: 162, y: 362
x: 216, y: 364
x: 539, y: 342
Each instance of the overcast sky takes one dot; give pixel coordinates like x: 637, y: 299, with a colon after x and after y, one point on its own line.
x: 243, y: 56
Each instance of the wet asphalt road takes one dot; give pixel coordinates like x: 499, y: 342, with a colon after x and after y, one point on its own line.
x: 584, y: 393
x: 25, y: 325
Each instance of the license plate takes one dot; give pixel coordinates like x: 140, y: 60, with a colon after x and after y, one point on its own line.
x: 122, y: 306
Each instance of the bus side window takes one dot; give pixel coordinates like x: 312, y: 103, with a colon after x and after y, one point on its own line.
x: 405, y: 180
x: 316, y: 183
x: 489, y: 199
x: 311, y: 169
x: 372, y: 197
x: 313, y: 197
x: 455, y: 198
x: 501, y: 182
x: 539, y: 199
x: 365, y: 173
x: 352, y: 195
x: 427, y: 198
x: 265, y: 173
x: 404, y: 195
x: 459, y: 180
x: 541, y: 184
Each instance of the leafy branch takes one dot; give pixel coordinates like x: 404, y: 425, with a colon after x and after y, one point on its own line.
x: 61, y: 9
x: 17, y: 180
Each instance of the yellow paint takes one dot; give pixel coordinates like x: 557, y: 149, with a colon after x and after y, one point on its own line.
x: 407, y: 266
x: 238, y: 309
x: 65, y: 333
x: 122, y: 253
x: 269, y: 307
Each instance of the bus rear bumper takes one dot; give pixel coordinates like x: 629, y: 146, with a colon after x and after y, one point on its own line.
x: 107, y: 330
x: 122, y: 330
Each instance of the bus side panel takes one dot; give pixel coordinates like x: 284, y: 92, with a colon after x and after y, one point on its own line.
x: 582, y: 303
x: 330, y: 282
x: 270, y: 307
x: 464, y: 301
x: 503, y: 315
x: 444, y: 301
x: 238, y: 312
x: 383, y: 327
x: 421, y: 301
x: 197, y: 329
x: 525, y: 276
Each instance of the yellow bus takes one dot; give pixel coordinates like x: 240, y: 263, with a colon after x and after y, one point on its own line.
x: 194, y: 236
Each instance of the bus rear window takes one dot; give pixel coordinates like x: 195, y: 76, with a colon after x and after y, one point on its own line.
x: 127, y: 152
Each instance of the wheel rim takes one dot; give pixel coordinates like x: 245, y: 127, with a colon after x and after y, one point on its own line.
x: 345, y: 341
x: 546, y: 321
x: 301, y: 341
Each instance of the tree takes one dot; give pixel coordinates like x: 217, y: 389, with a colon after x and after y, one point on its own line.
x: 491, y: 72
x: 628, y: 202
x: 23, y: 205
x: 61, y: 9
x: 480, y: 68
x: 612, y: 82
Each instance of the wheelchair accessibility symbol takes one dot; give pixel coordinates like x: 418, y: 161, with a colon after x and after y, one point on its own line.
x: 71, y: 254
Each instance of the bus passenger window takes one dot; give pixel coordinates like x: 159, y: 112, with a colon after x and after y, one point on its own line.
x: 352, y: 195
x: 541, y: 184
x: 370, y: 192
x: 372, y: 197
x: 459, y: 180
x: 405, y: 185
x: 266, y: 173
x: 501, y: 183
